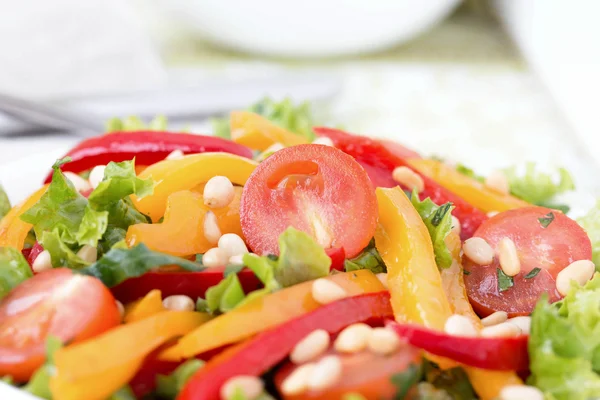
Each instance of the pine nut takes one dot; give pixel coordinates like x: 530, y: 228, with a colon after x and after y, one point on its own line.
x: 80, y: 184
x: 497, y: 182
x: 478, y: 251
x: 492, y: 214
x: 42, y: 262
x: 508, y: 256
x: 218, y: 192
x: 383, y: 341
x: 179, y: 302
x: 504, y: 329
x: 232, y: 244
x: 459, y: 325
x: 249, y: 386
x: 523, y: 322
x: 325, y: 292
x: 408, y: 178
x: 175, y: 155
x: 96, y: 175
x: 324, y: 140
x: 120, y: 307
x: 494, y: 319
x: 353, y: 338
x: 312, y: 346
x: 455, y: 225
x: 521, y: 392
x: 382, y: 276
x: 297, y: 381
x: 215, y: 257
x: 325, y: 373
x: 88, y: 253
x: 212, y: 232
x: 579, y: 271
x: 236, y: 260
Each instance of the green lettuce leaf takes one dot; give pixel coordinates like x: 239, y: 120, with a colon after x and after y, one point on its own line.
x: 225, y: 295
x: 119, y: 182
x: 60, y: 253
x: 133, y: 123
x: 295, y: 118
x: 451, y: 383
x: 119, y: 264
x: 369, y: 259
x: 14, y: 269
x: 125, y: 393
x: 92, y: 227
x: 438, y: 220
x: 537, y: 187
x: 591, y: 223
x: 4, y: 203
x: 39, y: 384
x: 169, y: 386
x: 564, y: 345
x: 463, y: 169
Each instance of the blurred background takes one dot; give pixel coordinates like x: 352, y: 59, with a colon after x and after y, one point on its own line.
x: 486, y: 83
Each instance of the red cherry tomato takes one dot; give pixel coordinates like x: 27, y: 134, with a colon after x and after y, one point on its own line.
x: 317, y: 189
x: 551, y: 249
x: 363, y: 373
x: 57, y: 302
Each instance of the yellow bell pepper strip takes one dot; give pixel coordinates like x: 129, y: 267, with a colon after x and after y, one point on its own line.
x: 264, y: 313
x: 13, y: 231
x: 182, y: 231
x: 145, y: 307
x: 228, y: 218
x: 416, y: 286
x: 468, y: 188
x: 183, y: 174
x: 96, y: 368
x: 258, y: 133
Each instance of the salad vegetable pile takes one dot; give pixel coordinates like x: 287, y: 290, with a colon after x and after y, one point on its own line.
x: 283, y: 260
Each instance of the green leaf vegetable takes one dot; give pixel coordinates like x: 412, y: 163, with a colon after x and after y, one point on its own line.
x: 295, y: 118
x: 369, y: 259
x: 225, y: 295
x: 591, y: 224
x: 451, y: 383
x: 537, y: 187
x: 4, y: 203
x: 14, y: 269
x: 463, y: 169
x: 406, y: 380
x: 505, y: 282
x: 438, y: 220
x: 120, y: 264
x: 564, y: 345
x: 39, y: 384
x: 169, y: 386
x: 125, y: 393
x: 64, y: 220
x: 133, y: 123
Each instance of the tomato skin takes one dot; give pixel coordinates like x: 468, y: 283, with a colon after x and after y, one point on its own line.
x: 57, y: 302
x: 551, y: 249
x: 364, y: 373
x: 317, y: 189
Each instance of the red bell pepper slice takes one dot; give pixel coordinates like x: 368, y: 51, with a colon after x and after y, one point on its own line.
x: 148, y: 147
x: 192, y: 284
x: 502, y: 353
x: 379, y: 163
x: 257, y: 355
x: 338, y: 256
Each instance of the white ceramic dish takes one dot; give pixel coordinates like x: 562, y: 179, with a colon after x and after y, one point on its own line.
x: 309, y: 28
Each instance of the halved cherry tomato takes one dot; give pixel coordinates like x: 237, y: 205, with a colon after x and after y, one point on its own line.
x: 58, y: 302
x: 549, y: 248
x: 364, y: 373
x: 314, y: 188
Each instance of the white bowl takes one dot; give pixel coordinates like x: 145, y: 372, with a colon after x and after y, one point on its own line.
x: 306, y: 28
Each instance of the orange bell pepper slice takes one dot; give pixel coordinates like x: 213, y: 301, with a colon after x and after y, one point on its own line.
x: 96, y: 368
x: 145, y: 307
x: 468, y: 188
x: 13, y: 230
x: 173, y: 176
x: 228, y: 218
x: 258, y: 133
x: 264, y: 313
x: 416, y: 286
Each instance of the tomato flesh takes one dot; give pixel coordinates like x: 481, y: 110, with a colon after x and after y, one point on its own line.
x: 314, y: 188
x: 57, y: 302
x: 551, y: 249
x: 363, y: 373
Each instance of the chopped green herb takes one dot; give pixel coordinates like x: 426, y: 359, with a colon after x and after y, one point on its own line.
x: 533, y: 273
x: 369, y: 259
x: 504, y: 281
x: 465, y: 272
x: 546, y: 220
x: 441, y: 213
x: 406, y: 380
x: 452, y: 382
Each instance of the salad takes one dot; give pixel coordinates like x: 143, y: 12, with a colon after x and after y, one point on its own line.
x: 279, y: 259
